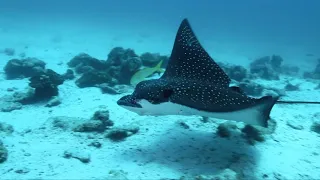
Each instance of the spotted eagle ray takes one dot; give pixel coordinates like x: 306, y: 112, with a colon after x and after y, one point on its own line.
x: 194, y: 84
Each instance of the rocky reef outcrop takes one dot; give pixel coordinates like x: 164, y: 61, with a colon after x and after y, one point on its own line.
x: 315, y: 74
x: 117, y: 69
x: 24, y: 68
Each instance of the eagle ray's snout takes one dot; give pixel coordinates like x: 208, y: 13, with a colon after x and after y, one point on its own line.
x: 128, y: 100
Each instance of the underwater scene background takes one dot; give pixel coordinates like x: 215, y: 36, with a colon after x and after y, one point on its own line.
x: 65, y: 64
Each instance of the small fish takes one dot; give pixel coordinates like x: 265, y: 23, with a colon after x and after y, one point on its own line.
x: 144, y: 73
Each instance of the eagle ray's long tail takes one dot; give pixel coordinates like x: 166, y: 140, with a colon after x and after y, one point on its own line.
x: 297, y: 102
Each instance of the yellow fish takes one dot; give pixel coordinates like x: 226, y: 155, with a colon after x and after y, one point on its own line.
x: 142, y: 74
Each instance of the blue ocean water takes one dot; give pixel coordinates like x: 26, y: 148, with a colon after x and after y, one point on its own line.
x: 54, y: 140
x: 264, y: 26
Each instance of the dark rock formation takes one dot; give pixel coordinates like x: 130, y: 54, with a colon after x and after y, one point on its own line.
x: 119, y: 67
x: 23, y: 68
x: 128, y: 69
x: 235, y: 72
x: 315, y: 127
x: 251, y: 134
x: 8, y: 106
x: 65, y: 123
x: 3, y: 153
x: 267, y: 67
x: 54, y: 101
x: 315, y: 74
x: 276, y: 62
x: 46, y: 84
x: 69, y: 75
x: 291, y: 87
x: 227, y: 129
x: 120, y: 134
x: 95, y: 144
x: 82, y: 156
x: 123, y: 64
x: 119, y: 55
x: 104, y: 117
x: 98, y: 123
x: 251, y: 88
x: 6, y: 128
x: 90, y: 126
x: 23, y: 97
x: 93, y: 78
x: 9, y: 51
x: 117, y: 89
x: 152, y: 59
x: 84, y: 62
x: 290, y: 70
x: 43, y: 87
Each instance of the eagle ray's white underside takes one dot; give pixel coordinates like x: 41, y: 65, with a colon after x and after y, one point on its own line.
x: 252, y: 115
